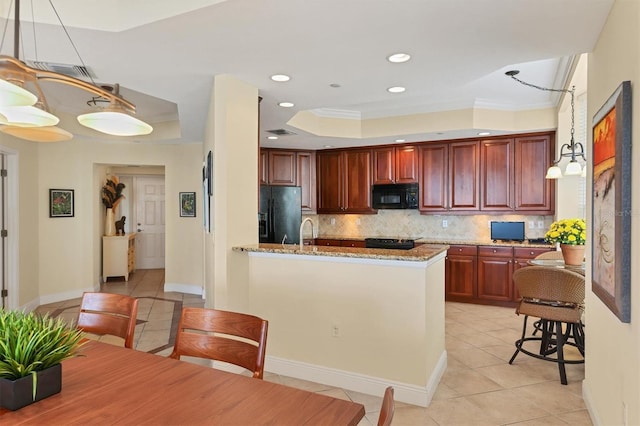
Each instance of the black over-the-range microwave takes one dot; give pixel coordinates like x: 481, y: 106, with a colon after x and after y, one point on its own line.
x: 395, y: 196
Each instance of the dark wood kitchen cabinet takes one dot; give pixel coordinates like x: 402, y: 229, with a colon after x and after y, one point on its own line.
x: 395, y: 165
x: 449, y: 177
x: 460, y: 273
x: 344, y: 181
x: 533, y: 193
x: 496, y: 175
x: 306, y: 179
x: 495, y: 269
x: 290, y: 168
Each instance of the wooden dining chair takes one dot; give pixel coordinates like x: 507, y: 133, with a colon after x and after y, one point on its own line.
x: 387, y: 409
x: 231, y: 337
x: 109, y: 313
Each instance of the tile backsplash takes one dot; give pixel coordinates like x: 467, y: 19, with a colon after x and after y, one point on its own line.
x: 411, y: 224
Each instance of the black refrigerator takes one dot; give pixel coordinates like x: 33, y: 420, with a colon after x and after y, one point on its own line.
x: 280, y: 214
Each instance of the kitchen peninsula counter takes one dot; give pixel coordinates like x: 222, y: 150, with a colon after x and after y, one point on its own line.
x: 357, y: 318
x: 421, y: 253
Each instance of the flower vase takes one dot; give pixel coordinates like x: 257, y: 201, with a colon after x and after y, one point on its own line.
x: 573, y: 254
x: 109, y: 224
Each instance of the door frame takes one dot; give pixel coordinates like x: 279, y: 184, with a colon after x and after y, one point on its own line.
x: 12, y: 218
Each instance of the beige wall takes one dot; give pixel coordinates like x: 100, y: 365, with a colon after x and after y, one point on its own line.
x: 233, y: 137
x: 60, y: 257
x: 612, y: 376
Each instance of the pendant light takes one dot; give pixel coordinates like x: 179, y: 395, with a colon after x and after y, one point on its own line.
x: 573, y: 149
x: 20, y: 108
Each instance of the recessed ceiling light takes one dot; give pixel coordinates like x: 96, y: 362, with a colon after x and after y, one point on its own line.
x: 328, y: 146
x: 396, y: 89
x: 400, y: 140
x: 398, y: 58
x: 272, y: 137
x: 280, y: 77
x: 484, y: 133
x: 286, y: 104
x: 334, y: 85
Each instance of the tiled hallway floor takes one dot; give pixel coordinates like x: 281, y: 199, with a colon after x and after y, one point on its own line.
x: 479, y: 387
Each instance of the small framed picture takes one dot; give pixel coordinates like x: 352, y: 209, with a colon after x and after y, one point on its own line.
x: 61, y: 203
x: 187, y: 204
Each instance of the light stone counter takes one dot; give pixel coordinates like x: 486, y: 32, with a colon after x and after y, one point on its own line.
x: 421, y: 253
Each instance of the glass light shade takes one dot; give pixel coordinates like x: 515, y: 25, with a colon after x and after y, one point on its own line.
x: 14, y: 95
x: 38, y: 134
x: 27, y: 116
x: 554, y: 172
x: 115, y: 123
x: 573, y: 169
x: 584, y: 171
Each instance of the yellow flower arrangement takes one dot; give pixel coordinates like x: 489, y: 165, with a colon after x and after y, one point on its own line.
x: 567, y: 231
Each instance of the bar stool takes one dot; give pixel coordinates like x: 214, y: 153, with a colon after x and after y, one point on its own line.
x: 556, y: 296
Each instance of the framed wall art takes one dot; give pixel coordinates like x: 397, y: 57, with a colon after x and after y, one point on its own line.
x: 61, y: 203
x: 611, y: 203
x: 187, y: 204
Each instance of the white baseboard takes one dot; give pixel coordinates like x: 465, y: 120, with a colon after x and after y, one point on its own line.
x: 588, y: 402
x: 403, y: 392
x: 183, y: 288
x: 57, y: 297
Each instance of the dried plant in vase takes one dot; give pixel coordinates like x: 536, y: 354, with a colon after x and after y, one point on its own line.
x: 112, y: 192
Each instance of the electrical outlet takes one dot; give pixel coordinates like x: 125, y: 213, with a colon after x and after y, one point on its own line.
x: 540, y: 224
x: 445, y: 223
x: 335, y: 331
x: 333, y: 220
x: 358, y: 222
x: 489, y: 224
x: 532, y: 224
x: 625, y: 414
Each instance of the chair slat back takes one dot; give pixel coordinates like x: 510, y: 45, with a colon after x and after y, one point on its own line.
x: 231, y: 337
x: 108, y: 313
x: 553, y: 255
x: 387, y: 409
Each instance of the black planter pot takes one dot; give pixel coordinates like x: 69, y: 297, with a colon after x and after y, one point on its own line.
x: 15, y: 394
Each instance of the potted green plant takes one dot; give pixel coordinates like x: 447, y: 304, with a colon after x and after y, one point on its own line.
x: 31, y: 349
x: 572, y: 236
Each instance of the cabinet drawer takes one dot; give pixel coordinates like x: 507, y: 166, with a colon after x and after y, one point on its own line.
x: 353, y: 243
x: 529, y: 252
x: 462, y: 250
x: 327, y: 242
x: 494, y: 251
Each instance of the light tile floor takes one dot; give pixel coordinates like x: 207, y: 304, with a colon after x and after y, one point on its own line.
x: 479, y: 387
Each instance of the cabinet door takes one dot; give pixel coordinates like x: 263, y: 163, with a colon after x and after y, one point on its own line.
x: 433, y: 172
x: 383, y: 166
x: 496, y: 170
x: 329, y: 168
x: 494, y: 278
x: 282, y: 168
x: 263, y: 167
x: 460, y: 277
x: 406, y: 164
x: 464, y: 175
x: 306, y: 179
x: 533, y: 192
x: 357, y: 181
x: 353, y: 243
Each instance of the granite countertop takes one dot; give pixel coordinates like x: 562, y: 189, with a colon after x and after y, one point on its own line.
x: 486, y: 243
x: 418, y: 254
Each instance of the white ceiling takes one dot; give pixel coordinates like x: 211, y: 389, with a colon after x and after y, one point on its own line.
x: 460, y: 50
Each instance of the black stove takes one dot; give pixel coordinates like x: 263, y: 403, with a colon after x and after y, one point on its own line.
x: 389, y: 243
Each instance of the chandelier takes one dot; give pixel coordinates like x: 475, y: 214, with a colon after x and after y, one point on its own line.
x: 573, y: 150
x: 25, y: 113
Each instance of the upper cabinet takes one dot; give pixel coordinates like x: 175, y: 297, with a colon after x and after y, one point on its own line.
x: 344, y: 181
x: 449, y: 175
x: 496, y: 175
x: 290, y: 168
x: 533, y: 156
x: 395, y: 165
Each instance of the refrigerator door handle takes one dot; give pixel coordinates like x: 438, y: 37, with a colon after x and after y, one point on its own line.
x: 272, y: 221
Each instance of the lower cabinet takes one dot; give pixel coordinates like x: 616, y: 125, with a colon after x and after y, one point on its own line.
x: 483, y: 274
x: 118, y: 256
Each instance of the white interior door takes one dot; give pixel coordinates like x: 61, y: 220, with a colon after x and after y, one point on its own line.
x: 149, y: 195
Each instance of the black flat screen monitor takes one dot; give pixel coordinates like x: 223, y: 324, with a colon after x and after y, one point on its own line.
x: 509, y: 231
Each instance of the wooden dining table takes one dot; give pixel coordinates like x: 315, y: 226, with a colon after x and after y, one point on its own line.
x: 114, y: 385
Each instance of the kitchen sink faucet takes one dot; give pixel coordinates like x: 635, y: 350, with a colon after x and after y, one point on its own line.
x: 307, y: 219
